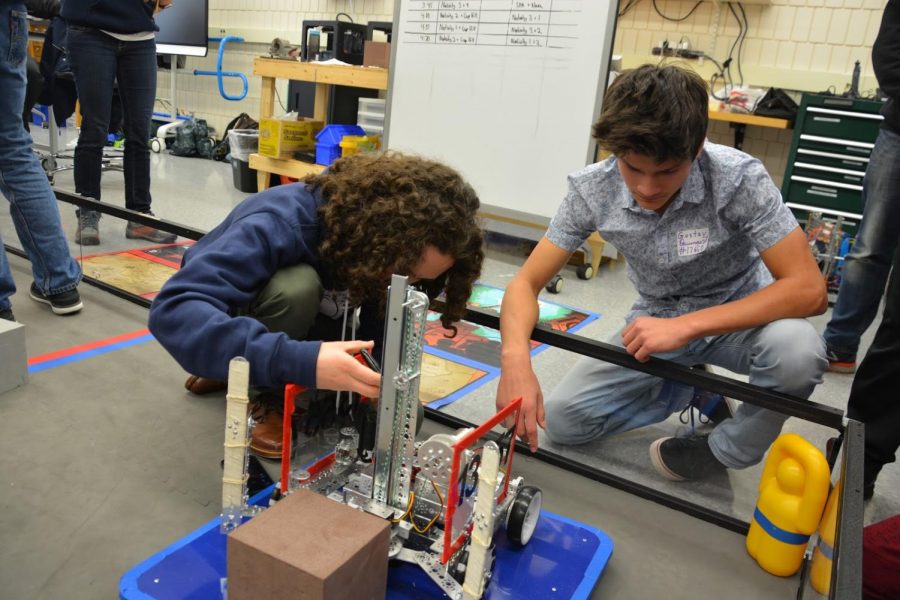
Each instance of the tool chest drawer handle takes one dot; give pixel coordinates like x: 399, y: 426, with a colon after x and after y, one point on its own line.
x: 828, y: 140
x: 847, y: 160
x: 822, y: 209
x: 828, y: 169
x: 844, y: 113
x: 826, y: 185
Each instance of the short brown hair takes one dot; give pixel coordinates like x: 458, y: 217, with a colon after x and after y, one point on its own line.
x: 380, y: 212
x: 661, y: 112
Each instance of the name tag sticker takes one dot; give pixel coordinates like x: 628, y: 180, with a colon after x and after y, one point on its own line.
x: 692, y: 241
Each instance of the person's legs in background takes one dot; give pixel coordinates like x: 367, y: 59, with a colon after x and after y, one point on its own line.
x: 92, y: 55
x: 136, y: 76
x: 873, y: 396
x: 33, y: 207
x: 866, y: 267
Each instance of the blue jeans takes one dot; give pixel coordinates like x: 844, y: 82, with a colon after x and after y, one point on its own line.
x: 867, y: 265
x: 99, y: 62
x: 33, y: 206
x: 597, y: 398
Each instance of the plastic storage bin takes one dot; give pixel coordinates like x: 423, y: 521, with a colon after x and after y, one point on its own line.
x: 328, y: 142
x: 370, y: 115
x: 354, y: 144
x: 242, y: 143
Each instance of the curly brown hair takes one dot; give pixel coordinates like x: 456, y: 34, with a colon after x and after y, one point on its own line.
x: 380, y: 212
x: 661, y: 112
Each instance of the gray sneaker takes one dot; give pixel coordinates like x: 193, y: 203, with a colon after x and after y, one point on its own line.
x: 88, y: 231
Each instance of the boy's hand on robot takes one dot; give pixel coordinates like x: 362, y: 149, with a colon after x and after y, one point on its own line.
x: 337, y: 369
x: 522, y: 382
x: 650, y: 335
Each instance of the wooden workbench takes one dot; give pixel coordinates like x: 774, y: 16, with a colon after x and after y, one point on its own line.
x: 324, y: 76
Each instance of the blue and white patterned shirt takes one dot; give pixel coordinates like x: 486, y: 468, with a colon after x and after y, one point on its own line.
x: 703, y: 250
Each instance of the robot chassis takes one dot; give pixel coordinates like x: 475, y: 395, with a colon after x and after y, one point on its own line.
x: 445, y: 497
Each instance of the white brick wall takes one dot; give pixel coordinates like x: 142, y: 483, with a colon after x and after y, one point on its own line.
x: 258, y: 21
x: 808, y: 45
x: 796, y: 44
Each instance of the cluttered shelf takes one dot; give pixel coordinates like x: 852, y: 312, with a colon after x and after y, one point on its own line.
x: 324, y: 76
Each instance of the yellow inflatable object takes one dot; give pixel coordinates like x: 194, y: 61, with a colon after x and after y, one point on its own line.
x: 820, y: 573
x: 792, y: 494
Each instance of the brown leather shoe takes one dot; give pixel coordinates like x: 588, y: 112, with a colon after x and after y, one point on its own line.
x: 265, y: 438
x: 202, y: 385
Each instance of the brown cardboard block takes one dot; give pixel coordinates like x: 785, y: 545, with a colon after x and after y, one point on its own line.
x: 376, y: 54
x: 312, y: 548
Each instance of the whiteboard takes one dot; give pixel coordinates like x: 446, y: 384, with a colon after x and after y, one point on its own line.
x: 505, y: 91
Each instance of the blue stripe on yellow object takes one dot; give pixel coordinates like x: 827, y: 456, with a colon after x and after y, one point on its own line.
x: 788, y: 537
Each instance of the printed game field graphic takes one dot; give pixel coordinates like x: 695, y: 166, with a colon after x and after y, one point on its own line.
x: 451, y: 367
x: 455, y: 366
x: 139, y: 271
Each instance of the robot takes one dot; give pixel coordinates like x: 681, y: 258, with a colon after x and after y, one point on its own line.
x: 445, y: 497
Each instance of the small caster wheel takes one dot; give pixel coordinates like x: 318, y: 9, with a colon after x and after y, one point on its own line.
x: 555, y: 284
x: 156, y: 145
x: 523, y: 515
x: 48, y: 163
x: 584, y: 271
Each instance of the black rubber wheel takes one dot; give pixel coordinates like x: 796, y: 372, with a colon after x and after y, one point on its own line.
x: 523, y: 515
x: 555, y: 285
x: 584, y: 271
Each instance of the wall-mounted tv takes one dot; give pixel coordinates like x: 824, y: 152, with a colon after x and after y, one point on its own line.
x: 183, y: 28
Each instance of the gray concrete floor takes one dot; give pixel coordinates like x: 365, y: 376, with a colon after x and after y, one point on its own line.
x: 108, y: 460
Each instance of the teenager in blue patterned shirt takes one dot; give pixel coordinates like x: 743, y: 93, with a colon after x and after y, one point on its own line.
x: 722, y: 270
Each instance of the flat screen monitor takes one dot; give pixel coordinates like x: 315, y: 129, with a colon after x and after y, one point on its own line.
x: 183, y: 28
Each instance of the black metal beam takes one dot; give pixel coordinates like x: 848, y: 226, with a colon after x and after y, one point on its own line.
x: 129, y: 215
x: 745, y: 392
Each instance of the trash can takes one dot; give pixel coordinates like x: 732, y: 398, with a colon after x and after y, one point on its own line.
x: 242, y: 143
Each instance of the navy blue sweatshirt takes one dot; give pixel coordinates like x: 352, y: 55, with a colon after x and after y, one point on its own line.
x: 192, y: 317
x: 118, y: 16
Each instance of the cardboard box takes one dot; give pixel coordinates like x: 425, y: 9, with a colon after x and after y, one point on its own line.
x: 312, y: 548
x: 279, y: 138
x: 377, y: 54
x: 13, y: 358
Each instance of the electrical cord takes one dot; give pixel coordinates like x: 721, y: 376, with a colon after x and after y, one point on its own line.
x: 741, y: 45
x: 628, y: 6
x: 743, y: 28
x: 677, y: 19
x: 436, y: 516
x: 338, y: 16
x: 278, y: 97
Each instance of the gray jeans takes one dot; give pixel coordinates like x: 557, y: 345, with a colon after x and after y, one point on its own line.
x: 597, y: 398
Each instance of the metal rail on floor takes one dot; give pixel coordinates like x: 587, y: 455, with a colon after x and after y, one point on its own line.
x: 847, y: 559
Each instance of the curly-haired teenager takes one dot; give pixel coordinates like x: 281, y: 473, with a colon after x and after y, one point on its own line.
x: 722, y: 271
x: 275, y: 281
